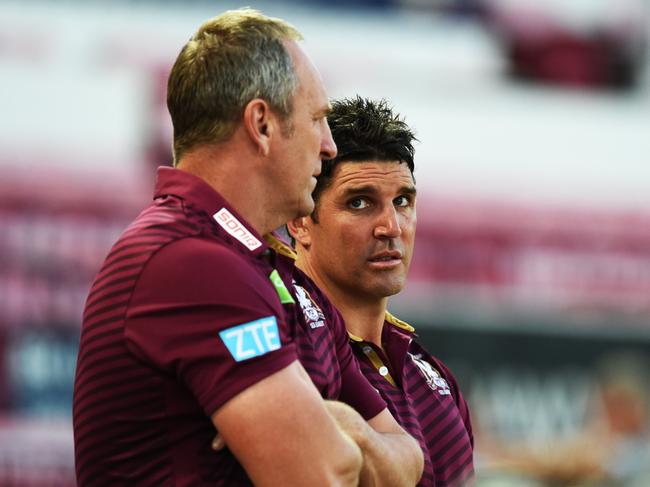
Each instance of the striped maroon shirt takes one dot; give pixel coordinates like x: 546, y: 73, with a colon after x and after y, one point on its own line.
x: 424, y: 398
x: 161, y: 347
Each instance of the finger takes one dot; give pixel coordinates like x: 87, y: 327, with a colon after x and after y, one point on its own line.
x: 218, y: 443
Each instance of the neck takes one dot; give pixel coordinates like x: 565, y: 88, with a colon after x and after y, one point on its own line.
x: 230, y: 171
x: 364, y: 315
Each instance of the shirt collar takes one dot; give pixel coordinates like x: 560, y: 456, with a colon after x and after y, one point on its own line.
x: 199, y: 193
x: 397, y: 323
x: 279, y: 246
x: 391, y: 323
x: 355, y: 338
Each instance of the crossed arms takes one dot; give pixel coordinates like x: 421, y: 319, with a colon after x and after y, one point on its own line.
x: 283, y: 433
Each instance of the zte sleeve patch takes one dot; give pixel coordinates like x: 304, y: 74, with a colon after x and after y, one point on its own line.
x: 252, y: 339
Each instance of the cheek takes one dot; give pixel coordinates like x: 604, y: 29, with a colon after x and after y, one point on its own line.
x: 409, y: 234
x: 408, y: 225
x: 353, y: 245
x: 408, y: 237
x: 352, y: 232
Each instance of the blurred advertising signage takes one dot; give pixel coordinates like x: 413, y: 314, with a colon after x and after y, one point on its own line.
x: 48, y: 262
x: 569, y: 276
x: 586, y: 421
x: 40, y: 364
x: 36, y: 454
x: 535, y: 260
x: 48, y: 257
x: 570, y: 409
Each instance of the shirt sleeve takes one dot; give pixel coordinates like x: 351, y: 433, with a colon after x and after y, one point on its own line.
x: 355, y: 388
x: 204, y: 313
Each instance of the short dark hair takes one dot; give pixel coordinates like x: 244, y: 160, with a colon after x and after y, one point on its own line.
x: 365, y: 130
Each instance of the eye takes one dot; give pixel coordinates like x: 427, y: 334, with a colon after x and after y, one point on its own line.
x: 358, y: 203
x: 320, y: 118
x: 402, y: 201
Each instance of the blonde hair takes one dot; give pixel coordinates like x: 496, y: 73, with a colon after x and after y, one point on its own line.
x: 232, y: 59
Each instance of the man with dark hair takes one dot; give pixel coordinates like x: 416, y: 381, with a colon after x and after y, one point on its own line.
x: 357, y: 247
x: 191, y: 324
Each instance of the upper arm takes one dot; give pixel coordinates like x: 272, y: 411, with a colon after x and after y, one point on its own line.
x: 281, y: 433
x: 195, y: 315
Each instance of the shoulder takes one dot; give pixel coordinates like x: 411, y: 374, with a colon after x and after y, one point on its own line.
x: 309, y: 296
x: 303, y: 283
x: 167, y: 216
x: 197, y: 250
x: 203, y: 269
x: 200, y: 256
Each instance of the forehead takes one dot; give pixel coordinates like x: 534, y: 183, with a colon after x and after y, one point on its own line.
x: 371, y: 173
x: 310, y: 83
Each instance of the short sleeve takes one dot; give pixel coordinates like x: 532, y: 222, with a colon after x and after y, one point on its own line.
x: 355, y: 388
x: 207, y: 315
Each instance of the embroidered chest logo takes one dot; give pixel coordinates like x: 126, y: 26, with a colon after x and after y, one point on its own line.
x: 313, y: 314
x: 432, y: 376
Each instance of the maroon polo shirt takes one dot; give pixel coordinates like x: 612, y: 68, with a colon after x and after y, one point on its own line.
x: 424, y: 398
x: 322, y: 341
x: 191, y: 307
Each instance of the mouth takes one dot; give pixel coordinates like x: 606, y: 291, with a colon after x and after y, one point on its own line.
x: 386, y: 259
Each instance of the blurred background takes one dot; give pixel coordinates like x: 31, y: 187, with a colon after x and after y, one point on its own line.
x: 531, y: 277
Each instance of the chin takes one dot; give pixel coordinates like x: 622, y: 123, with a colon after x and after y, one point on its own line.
x: 385, y: 291
x: 395, y: 287
x: 309, y: 206
x: 393, y: 291
x: 306, y: 208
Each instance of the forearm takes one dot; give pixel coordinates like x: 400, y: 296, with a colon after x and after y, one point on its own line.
x: 313, y: 450
x: 390, y: 458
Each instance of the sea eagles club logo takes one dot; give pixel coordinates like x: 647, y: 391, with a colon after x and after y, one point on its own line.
x: 432, y: 376
x: 313, y: 315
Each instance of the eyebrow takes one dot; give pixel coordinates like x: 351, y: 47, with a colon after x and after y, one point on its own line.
x: 357, y: 190
x: 410, y: 190
x: 324, y: 112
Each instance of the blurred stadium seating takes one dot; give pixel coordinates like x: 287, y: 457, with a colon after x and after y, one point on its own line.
x: 532, y: 268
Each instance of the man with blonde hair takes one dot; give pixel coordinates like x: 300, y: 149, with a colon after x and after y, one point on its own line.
x: 191, y: 324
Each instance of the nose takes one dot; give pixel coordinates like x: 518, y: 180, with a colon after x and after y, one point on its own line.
x: 328, y: 148
x: 388, y: 224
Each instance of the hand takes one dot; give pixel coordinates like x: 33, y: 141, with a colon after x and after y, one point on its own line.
x: 390, y: 456
x: 350, y: 421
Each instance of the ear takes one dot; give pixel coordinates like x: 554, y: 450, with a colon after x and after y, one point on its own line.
x: 259, y: 123
x: 300, y: 228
